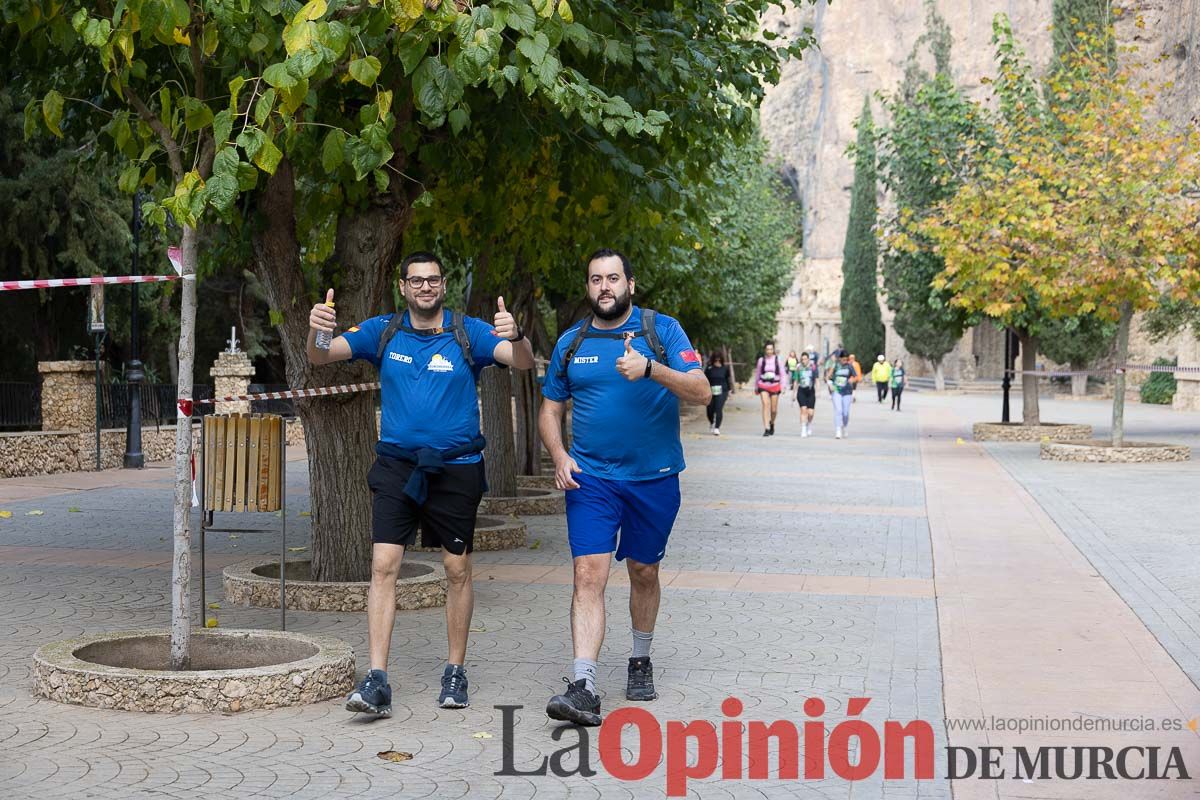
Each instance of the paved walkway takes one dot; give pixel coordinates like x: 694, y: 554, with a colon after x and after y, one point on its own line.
x: 938, y: 579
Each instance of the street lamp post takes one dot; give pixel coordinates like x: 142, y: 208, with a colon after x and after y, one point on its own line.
x: 134, y: 458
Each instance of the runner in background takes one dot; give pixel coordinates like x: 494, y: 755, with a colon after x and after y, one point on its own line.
x: 881, y: 374
x: 770, y: 380
x: 898, y: 380
x: 841, y: 380
x: 720, y: 381
x: 805, y: 379
x: 857, y: 372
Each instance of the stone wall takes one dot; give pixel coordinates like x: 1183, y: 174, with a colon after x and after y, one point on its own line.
x: 68, y: 395
x: 49, y: 452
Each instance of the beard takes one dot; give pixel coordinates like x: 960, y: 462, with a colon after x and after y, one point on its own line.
x: 428, y: 306
x: 619, y: 307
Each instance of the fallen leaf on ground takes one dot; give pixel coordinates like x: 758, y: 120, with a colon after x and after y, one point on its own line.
x: 214, y: 605
x: 481, y: 735
x: 34, y: 513
x: 211, y: 622
x: 537, y: 545
x: 234, y: 536
x: 304, y: 514
x: 74, y: 510
x: 395, y: 756
x: 297, y: 549
x: 5, y: 515
x: 478, y: 630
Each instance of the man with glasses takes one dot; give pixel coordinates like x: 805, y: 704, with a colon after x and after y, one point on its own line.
x: 428, y: 470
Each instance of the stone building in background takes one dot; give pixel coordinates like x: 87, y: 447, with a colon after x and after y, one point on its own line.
x: 808, y: 118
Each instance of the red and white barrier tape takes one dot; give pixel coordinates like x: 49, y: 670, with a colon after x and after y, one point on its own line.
x: 55, y: 283
x: 320, y: 391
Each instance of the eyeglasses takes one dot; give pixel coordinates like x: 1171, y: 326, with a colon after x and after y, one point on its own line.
x: 417, y: 281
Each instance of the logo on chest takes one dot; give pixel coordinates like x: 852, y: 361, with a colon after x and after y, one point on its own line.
x: 403, y: 359
x: 586, y: 360
x: 439, y: 363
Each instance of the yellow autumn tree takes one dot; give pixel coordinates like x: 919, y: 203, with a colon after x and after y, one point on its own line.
x: 1079, y: 208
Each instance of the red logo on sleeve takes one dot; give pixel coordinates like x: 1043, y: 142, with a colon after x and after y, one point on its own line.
x: 689, y: 356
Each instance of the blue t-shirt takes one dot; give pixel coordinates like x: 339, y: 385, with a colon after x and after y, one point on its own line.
x: 428, y: 394
x: 621, y: 429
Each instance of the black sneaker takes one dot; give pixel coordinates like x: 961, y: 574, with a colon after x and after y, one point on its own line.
x: 454, y: 688
x: 772, y: 428
x: 373, y: 695
x: 641, y: 680
x: 766, y: 431
x: 576, y: 705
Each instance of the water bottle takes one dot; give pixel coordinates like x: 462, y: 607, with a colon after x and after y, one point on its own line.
x: 325, y: 338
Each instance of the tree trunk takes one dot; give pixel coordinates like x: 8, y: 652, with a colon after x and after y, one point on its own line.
x: 181, y: 570
x: 1030, y: 412
x: 338, y: 430
x: 939, y: 376
x: 500, y: 457
x: 1118, y: 412
x: 1078, y: 382
x: 525, y: 387
x: 340, y: 434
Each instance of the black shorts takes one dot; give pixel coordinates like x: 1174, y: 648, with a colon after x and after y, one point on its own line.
x: 807, y: 398
x: 447, y: 517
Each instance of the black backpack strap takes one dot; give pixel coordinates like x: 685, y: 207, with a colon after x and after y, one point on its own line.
x: 459, y: 328
x: 649, y: 317
x: 388, y: 332
x: 573, y: 347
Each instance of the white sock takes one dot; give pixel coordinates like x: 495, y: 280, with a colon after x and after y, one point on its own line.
x: 641, y: 643
x: 585, y: 669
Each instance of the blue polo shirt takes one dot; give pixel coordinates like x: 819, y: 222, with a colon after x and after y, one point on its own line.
x: 621, y: 430
x: 428, y: 396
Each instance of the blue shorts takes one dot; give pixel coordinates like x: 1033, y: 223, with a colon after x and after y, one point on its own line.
x: 643, y: 512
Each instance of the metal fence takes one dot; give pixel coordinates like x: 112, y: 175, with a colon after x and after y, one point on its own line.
x: 20, y: 406
x: 158, y: 403
x: 285, y: 408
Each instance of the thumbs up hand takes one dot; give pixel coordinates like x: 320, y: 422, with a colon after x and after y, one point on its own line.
x: 504, y: 325
x: 323, y: 317
x: 632, y: 365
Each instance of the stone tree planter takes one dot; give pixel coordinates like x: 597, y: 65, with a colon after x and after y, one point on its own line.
x: 231, y: 671
x: 421, y: 585
x: 536, y: 481
x: 1102, y: 452
x: 491, y: 533
x: 1016, y: 432
x: 527, y: 503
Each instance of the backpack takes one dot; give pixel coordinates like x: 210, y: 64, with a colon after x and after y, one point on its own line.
x: 777, y: 371
x: 587, y: 332
x: 457, y: 327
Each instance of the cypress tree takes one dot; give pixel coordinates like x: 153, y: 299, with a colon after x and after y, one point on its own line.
x: 862, y: 324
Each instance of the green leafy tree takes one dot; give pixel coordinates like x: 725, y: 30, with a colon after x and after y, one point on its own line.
x: 862, y: 324
x: 925, y: 153
x: 314, y: 130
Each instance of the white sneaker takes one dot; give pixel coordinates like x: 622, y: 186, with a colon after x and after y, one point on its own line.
x: 838, y: 434
x: 846, y: 433
x: 716, y: 431
x: 712, y: 428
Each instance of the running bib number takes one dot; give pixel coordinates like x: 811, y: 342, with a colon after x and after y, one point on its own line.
x: 717, y: 390
x: 768, y: 377
x: 840, y: 380
x: 805, y: 379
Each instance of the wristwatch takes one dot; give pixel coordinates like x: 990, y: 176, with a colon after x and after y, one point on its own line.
x: 520, y: 334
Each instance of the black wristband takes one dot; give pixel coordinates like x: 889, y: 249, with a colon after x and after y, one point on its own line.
x: 520, y: 334
x: 649, y: 364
